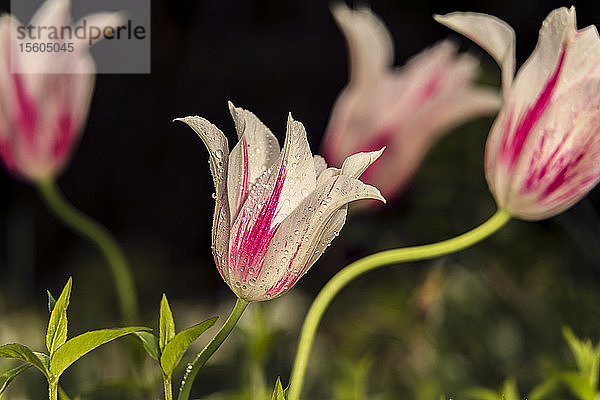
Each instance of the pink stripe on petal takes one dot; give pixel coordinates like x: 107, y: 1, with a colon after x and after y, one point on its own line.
x: 511, y: 151
x: 27, y: 114
x: 562, y: 175
x: 64, y: 137
x: 292, y: 276
x: 249, y: 250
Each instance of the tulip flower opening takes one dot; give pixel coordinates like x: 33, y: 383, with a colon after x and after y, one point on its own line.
x: 405, y: 109
x: 542, y: 154
x: 276, y: 211
x: 42, y: 114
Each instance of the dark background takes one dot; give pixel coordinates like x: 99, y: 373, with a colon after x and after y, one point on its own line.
x: 148, y: 181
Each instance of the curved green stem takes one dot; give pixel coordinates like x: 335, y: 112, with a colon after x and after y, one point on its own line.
x: 99, y: 235
x: 215, y: 343
x: 346, y: 275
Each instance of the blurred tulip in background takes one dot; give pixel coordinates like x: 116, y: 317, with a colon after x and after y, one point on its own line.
x: 405, y: 109
x: 42, y: 114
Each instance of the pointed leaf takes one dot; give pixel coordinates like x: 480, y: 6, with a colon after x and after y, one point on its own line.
x: 175, y: 349
x: 80, y: 345
x: 544, y: 389
x: 20, y: 352
x: 7, y: 377
x: 150, y: 343
x: 278, y: 393
x: 56, y: 334
x: 51, y: 301
x: 166, y: 324
x: 578, y: 385
x: 587, y: 357
x: 45, y: 360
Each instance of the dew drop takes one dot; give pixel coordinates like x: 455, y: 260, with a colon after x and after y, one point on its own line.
x: 219, y: 153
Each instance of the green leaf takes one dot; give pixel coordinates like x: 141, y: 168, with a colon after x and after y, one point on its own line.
x: 579, y: 386
x: 174, y: 350
x: 80, y: 345
x: 51, y: 301
x: 587, y: 357
x: 544, y: 389
x: 56, y: 335
x: 44, y: 359
x: 7, y: 377
x: 166, y: 329
x: 150, y: 343
x: 278, y: 393
x: 20, y: 352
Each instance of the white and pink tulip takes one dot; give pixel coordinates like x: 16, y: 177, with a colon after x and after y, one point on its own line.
x: 543, y: 151
x: 405, y: 109
x: 42, y: 114
x: 276, y: 210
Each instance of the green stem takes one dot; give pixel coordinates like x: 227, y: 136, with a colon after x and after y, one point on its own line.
x: 98, y: 234
x: 346, y: 275
x: 53, y: 391
x: 204, y: 355
x: 168, y: 387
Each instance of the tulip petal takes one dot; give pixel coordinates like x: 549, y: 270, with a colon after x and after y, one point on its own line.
x: 52, y: 13
x: 274, y: 196
x: 218, y: 149
x: 369, y: 43
x: 299, y: 166
x: 563, y: 54
x: 561, y: 164
x: 357, y: 163
x: 256, y: 151
x: 492, y: 34
x: 320, y: 165
x: 64, y: 118
x: 328, y: 173
x: 100, y: 20
x: 7, y: 87
x: 305, y: 234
